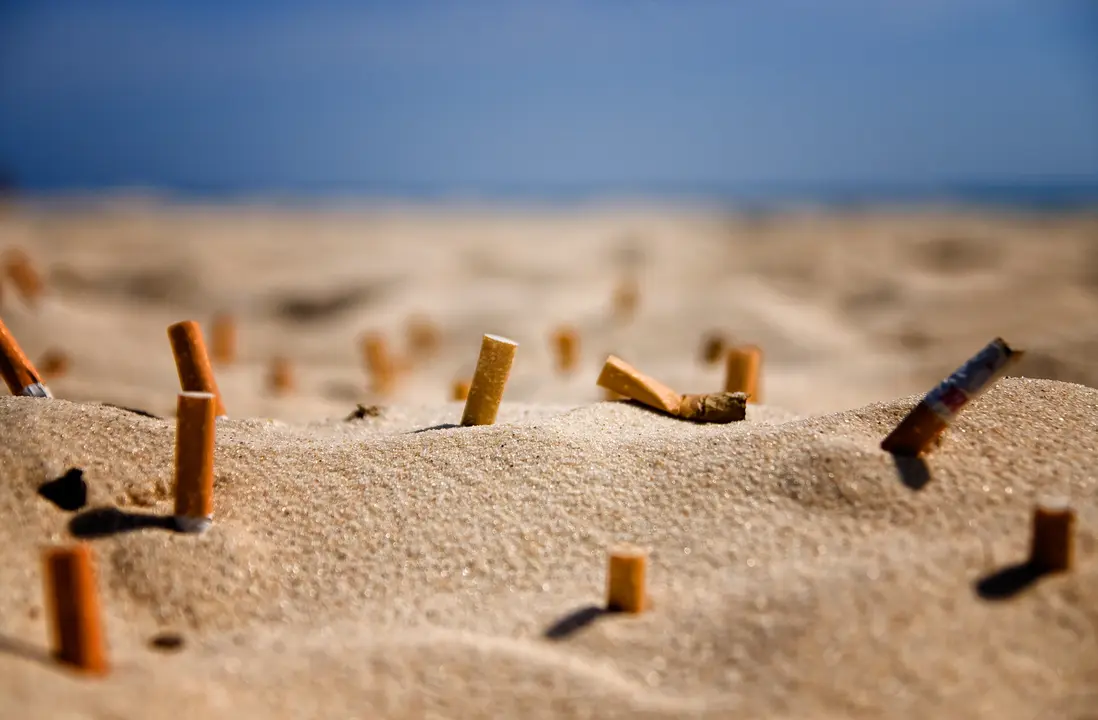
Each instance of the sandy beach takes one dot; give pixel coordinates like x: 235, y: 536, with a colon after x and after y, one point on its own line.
x: 397, y: 565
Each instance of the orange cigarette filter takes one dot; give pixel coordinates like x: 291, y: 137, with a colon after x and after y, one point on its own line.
x: 712, y: 349
x: 1053, y: 545
x: 460, y: 391
x: 54, y: 363
x: 19, y: 374
x: 72, y: 596
x: 423, y: 337
x: 194, y: 460
x: 18, y: 266
x: 922, y: 427
x: 742, y: 369
x: 223, y: 340
x: 625, y: 587
x: 622, y: 378
x: 565, y: 342
x: 281, y: 377
x: 379, y: 362
x: 192, y: 362
x: 626, y: 298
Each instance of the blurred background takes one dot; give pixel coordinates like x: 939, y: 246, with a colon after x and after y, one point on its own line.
x: 870, y: 190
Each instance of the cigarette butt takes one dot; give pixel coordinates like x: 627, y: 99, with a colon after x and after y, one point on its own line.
x: 54, y: 363
x: 423, y: 337
x: 191, y: 361
x: 72, y: 595
x: 460, y: 391
x: 27, y: 280
x: 19, y: 374
x: 722, y: 407
x: 609, y: 395
x: 625, y: 591
x: 379, y: 363
x: 919, y: 430
x: 1053, y: 548
x: 742, y: 371
x: 626, y: 298
x: 712, y: 348
x: 281, y: 377
x: 624, y: 379
x: 565, y: 343
x: 194, y: 460
x: 223, y: 339
x: 490, y: 377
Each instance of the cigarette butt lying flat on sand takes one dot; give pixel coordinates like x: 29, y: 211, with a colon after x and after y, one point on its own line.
x: 1053, y: 546
x: 624, y: 379
x: 722, y: 407
x: 223, y: 340
x: 280, y: 379
x: 379, y: 362
x: 712, y: 349
x: 194, y: 460
x: 191, y: 361
x: 625, y: 585
x: 76, y: 624
x: 917, y: 432
x: 27, y: 280
x: 565, y: 341
x: 460, y: 390
x: 490, y: 377
x: 19, y: 374
x: 742, y: 371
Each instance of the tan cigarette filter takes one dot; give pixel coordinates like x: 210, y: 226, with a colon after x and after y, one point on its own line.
x: 280, y: 380
x: 223, y: 340
x: 460, y: 390
x: 565, y: 343
x: 742, y: 371
x: 490, y: 377
x: 72, y: 597
x: 194, y: 460
x: 1053, y: 548
x: 19, y: 374
x: 712, y: 349
x: 379, y: 362
x: 622, y: 378
x: 423, y: 337
x: 27, y: 280
x: 54, y: 363
x: 626, y: 298
x: 192, y: 362
x: 625, y: 589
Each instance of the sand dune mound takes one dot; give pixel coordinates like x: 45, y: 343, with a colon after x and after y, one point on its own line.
x: 403, y: 564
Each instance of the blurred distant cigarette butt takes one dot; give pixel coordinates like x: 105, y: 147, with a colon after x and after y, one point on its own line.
x: 490, y: 377
x: 625, y: 591
x: 565, y: 342
x: 918, y: 431
x: 379, y: 363
x: 75, y: 617
x: 19, y: 374
x: 1053, y: 548
x: 54, y: 363
x: 192, y: 362
x: 281, y: 377
x: 27, y: 280
x: 722, y: 407
x: 194, y: 460
x: 626, y: 298
x: 742, y: 368
x: 624, y: 379
x: 712, y: 348
x: 423, y: 337
x: 223, y: 339
x: 460, y: 391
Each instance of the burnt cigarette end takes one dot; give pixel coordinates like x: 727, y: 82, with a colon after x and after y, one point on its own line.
x: 722, y: 407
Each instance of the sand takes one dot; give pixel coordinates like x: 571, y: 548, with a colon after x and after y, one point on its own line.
x: 398, y: 566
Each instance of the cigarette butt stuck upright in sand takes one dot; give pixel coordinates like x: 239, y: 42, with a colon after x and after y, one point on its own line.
x: 1053, y: 545
x: 917, y: 432
x: 742, y: 370
x: 565, y: 342
x: 54, y: 363
x: 192, y: 362
x: 280, y: 379
x: 19, y: 374
x: 223, y: 340
x: 379, y: 362
x: 626, y: 298
x: 625, y: 585
x: 423, y: 337
x: 490, y: 377
x: 712, y: 349
x: 194, y: 460
x: 460, y: 390
x: 624, y: 379
x: 23, y: 274
x: 75, y: 618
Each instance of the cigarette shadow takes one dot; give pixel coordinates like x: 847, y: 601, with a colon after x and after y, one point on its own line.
x: 68, y: 492
x: 443, y: 426
x: 913, y: 470
x: 102, y: 522
x: 135, y: 411
x: 25, y: 650
x: 1007, y: 582
x: 575, y: 621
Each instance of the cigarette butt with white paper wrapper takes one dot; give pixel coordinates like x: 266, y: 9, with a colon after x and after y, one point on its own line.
x: 742, y: 369
x: 18, y: 372
x: 1053, y: 543
x: 929, y: 419
x: 489, y: 378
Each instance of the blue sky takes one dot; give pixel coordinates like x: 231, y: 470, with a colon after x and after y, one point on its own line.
x: 472, y: 96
